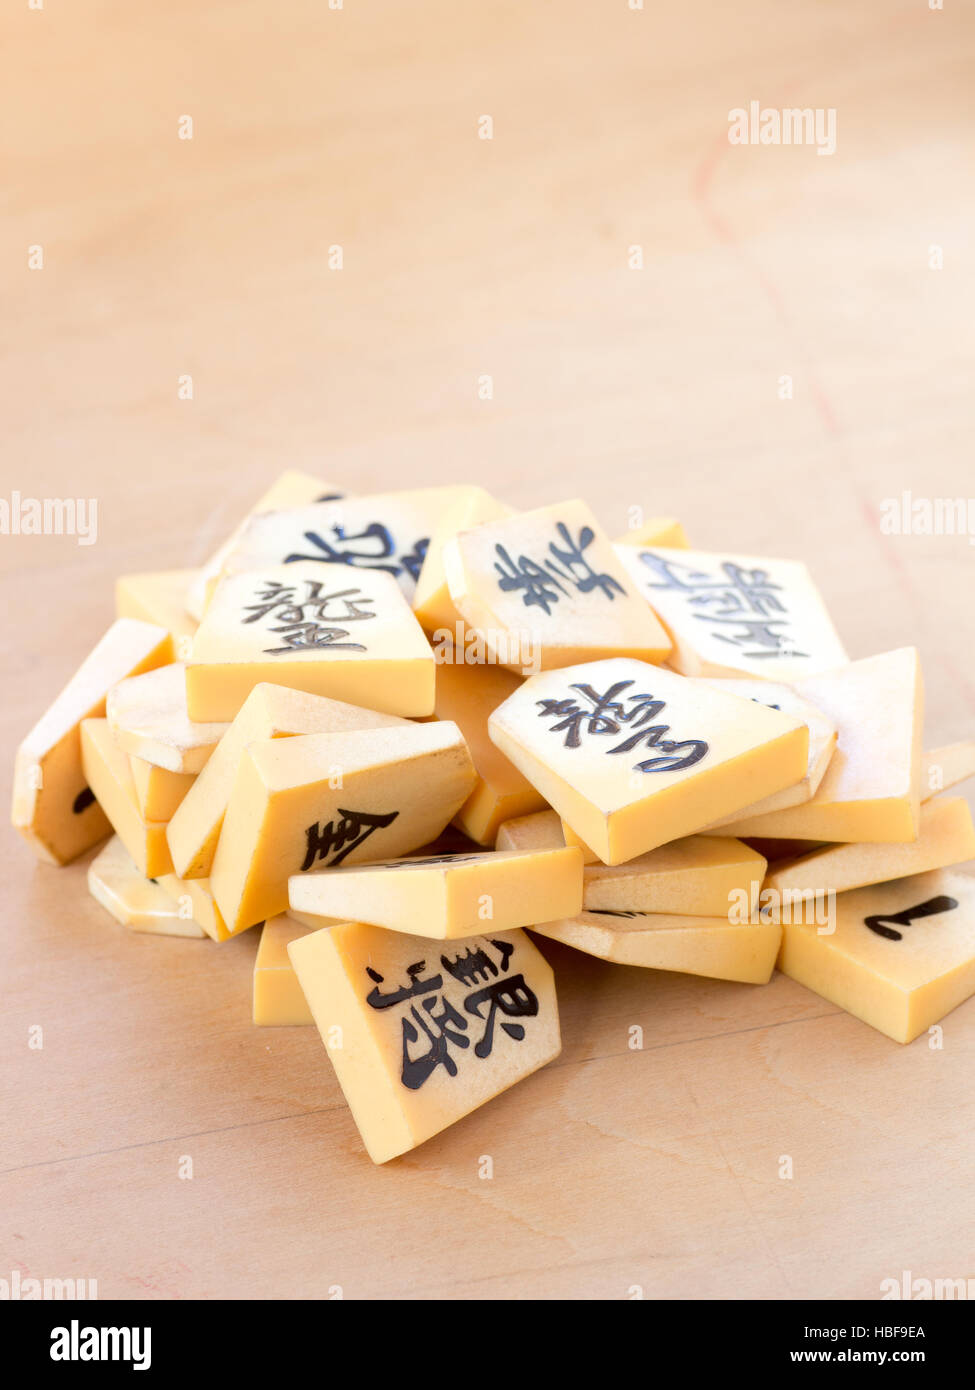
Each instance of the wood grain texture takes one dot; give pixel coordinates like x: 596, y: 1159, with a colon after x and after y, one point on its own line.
x: 612, y: 1168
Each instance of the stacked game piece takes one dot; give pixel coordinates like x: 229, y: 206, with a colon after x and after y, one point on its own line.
x: 393, y: 732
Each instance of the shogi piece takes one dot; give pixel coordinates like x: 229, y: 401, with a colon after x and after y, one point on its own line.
x: 589, y: 856
x: 713, y: 946
x: 159, y: 597
x: 736, y: 614
x: 432, y: 604
x: 278, y: 998
x: 109, y: 774
x: 632, y: 756
x: 311, y: 627
x: 159, y: 792
x: 947, y: 837
x: 468, y: 694
x: 270, y: 711
x: 387, y: 532
x: 149, y: 719
x: 291, y: 489
x: 902, y: 954
x: 946, y: 766
x: 822, y: 739
x: 871, y: 788
x: 132, y: 899
x: 544, y: 589
x: 449, y: 895
x: 317, y: 800
x: 53, y: 806
x: 195, y: 900
x: 698, y: 876
x: 422, y: 1032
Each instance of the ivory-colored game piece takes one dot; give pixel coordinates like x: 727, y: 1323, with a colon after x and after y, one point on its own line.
x: 698, y: 876
x: 900, y: 956
x: 871, y: 788
x: 53, y: 806
x: 545, y: 589
x: 447, y: 896
x: 317, y: 800
x: 387, y: 532
x: 158, y: 792
x: 159, y: 597
x: 945, y: 767
x: 291, y: 489
x: 714, y: 946
x: 632, y: 756
x: 730, y: 615
x: 467, y: 694
x: 132, y: 899
x: 279, y: 1001
x: 422, y: 1032
x: 311, y: 627
x: 822, y: 740
x: 109, y: 774
x: 195, y: 899
x: 947, y: 837
x: 432, y: 604
x: 589, y: 856
x: 270, y: 711
x: 149, y: 719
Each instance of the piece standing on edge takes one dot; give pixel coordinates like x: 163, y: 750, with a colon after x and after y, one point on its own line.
x: 53, y: 806
x: 468, y: 694
x: 109, y: 774
x: 278, y: 998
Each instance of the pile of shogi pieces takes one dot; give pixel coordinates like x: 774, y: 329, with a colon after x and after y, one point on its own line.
x: 392, y: 731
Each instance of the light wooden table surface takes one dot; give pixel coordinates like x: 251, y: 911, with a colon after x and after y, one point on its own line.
x: 466, y: 258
